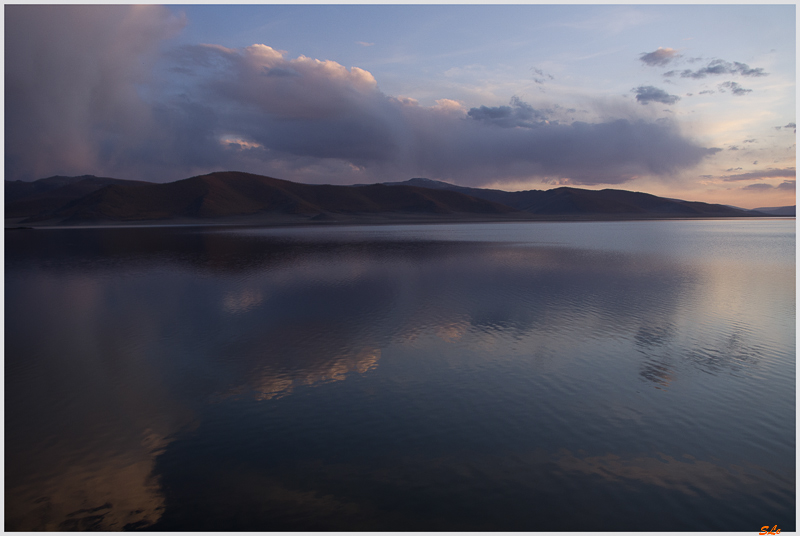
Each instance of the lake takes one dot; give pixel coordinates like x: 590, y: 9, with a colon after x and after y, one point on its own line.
x: 515, y: 376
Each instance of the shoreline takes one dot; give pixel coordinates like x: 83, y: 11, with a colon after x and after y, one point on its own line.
x: 337, y: 220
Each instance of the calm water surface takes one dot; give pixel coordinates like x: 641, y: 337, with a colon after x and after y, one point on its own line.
x: 531, y: 376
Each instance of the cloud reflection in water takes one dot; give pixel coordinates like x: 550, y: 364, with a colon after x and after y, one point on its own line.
x: 338, y: 380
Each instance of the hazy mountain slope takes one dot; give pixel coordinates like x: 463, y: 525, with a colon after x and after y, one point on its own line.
x: 46, y: 195
x: 577, y: 201
x: 14, y: 190
x: 778, y: 211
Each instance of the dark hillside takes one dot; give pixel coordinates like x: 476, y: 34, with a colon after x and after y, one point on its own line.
x: 233, y: 194
x: 46, y: 195
x: 226, y: 194
x: 15, y: 190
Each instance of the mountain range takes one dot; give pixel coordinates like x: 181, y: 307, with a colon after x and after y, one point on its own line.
x: 245, y: 197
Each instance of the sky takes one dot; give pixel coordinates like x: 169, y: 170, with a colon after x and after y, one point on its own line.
x: 695, y: 102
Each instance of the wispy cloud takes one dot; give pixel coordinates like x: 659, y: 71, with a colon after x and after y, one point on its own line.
x: 364, y: 43
x: 540, y: 75
x: 719, y: 67
x: 619, y: 21
x: 761, y: 174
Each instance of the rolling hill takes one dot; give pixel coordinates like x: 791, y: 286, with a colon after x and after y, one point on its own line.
x: 23, y: 199
x: 790, y: 210
x: 237, y: 196
x: 567, y: 201
x: 230, y: 194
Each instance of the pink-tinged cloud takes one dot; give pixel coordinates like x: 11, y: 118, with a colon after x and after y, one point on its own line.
x: 659, y: 57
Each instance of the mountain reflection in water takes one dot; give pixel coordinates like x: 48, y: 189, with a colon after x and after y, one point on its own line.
x: 472, y: 377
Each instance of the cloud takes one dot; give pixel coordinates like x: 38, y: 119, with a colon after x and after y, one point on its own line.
x: 200, y: 108
x: 733, y: 148
x: 659, y: 57
x: 647, y: 94
x: 735, y: 88
x: 72, y: 74
x: 519, y: 114
x: 364, y: 43
x: 759, y: 186
x: 540, y: 76
x: 761, y: 174
x: 707, y: 92
x: 719, y: 67
x: 753, y: 140
x: 557, y: 182
x: 787, y: 186
x: 790, y: 125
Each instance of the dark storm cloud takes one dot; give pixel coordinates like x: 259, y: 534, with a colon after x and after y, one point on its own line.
x: 647, y: 94
x: 330, y: 112
x: 134, y: 112
x: 761, y: 174
x: 735, y: 88
x: 659, y: 57
x: 587, y: 153
x: 719, y: 67
x: 71, y: 77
